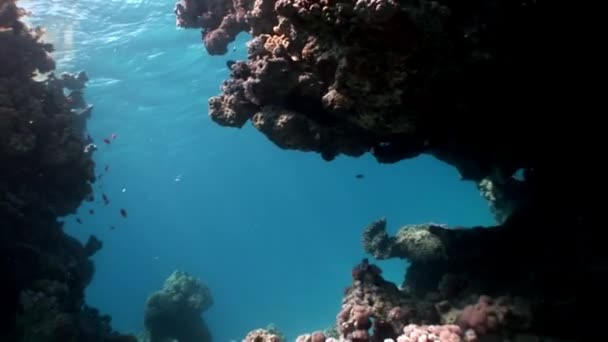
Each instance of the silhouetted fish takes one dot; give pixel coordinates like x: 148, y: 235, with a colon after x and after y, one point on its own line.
x: 106, y: 201
x: 123, y: 213
x: 91, y: 211
x: 359, y: 176
x: 107, y: 141
x: 78, y: 220
x: 106, y: 168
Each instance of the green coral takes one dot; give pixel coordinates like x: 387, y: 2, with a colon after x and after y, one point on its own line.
x: 183, y: 287
x: 419, y: 244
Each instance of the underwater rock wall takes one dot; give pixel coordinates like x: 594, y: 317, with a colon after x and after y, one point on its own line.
x: 464, y: 81
x: 46, y: 171
x: 394, y: 78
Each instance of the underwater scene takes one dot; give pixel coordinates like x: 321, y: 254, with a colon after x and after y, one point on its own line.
x: 287, y: 170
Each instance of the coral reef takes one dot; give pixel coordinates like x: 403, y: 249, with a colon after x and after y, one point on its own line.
x: 526, y: 271
x: 174, y: 312
x: 463, y: 81
x: 46, y: 173
x: 394, y: 78
x: 375, y: 310
x: 263, y: 335
x: 273, y: 329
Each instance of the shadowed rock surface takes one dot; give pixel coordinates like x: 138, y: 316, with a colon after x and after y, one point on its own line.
x: 46, y: 171
x: 466, y: 82
x: 397, y: 78
x: 174, y: 312
x: 452, y: 265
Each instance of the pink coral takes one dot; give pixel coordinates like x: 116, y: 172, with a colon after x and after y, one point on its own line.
x: 359, y: 335
x: 316, y: 336
x: 261, y: 335
x: 431, y: 333
x: 360, y: 317
x: 354, y: 318
x: 482, y: 317
x: 399, y: 313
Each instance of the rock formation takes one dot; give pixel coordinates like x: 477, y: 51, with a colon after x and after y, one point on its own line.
x: 46, y: 172
x: 174, y: 312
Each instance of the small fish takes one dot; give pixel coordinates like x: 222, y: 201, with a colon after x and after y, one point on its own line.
x: 106, y: 168
x: 106, y: 201
x: 112, y: 227
x: 91, y: 211
x: 107, y: 141
x: 113, y: 136
x: 123, y: 213
x: 359, y: 176
x: 79, y: 220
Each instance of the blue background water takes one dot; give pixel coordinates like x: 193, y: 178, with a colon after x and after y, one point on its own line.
x: 274, y: 233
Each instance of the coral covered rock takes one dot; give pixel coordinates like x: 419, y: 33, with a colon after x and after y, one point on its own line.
x: 413, y: 242
x: 375, y: 310
x: 394, y: 78
x: 46, y: 171
x: 263, y: 335
x: 452, y: 265
x: 175, y: 311
x: 372, y: 303
x: 462, y: 81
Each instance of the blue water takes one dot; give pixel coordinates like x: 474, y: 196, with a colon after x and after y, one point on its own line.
x: 274, y: 233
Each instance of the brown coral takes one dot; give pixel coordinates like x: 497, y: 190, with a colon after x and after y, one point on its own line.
x: 392, y: 78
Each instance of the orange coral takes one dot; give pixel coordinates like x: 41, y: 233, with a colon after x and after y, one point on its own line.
x: 276, y: 44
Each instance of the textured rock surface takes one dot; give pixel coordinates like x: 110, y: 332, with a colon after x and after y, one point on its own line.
x: 174, y: 312
x: 532, y: 265
x: 46, y: 172
x: 464, y: 81
x: 394, y: 77
x: 375, y: 310
x: 262, y: 335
